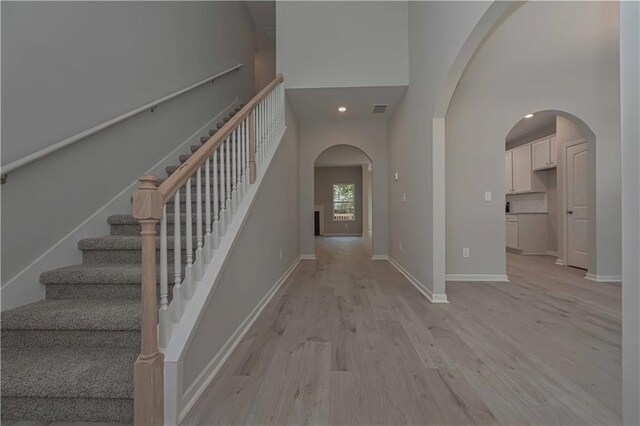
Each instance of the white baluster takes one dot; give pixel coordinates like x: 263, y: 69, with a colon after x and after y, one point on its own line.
x: 207, y: 211
x: 234, y: 165
x: 188, y: 269
x: 216, y: 201
x: 223, y: 210
x: 245, y: 151
x: 164, y: 319
x: 199, y: 244
x: 228, y: 181
x: 176, y: 303
x: 239, y: 162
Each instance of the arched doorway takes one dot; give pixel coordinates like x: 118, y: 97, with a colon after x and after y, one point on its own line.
x: 550, y: 188
x: 343, y: 194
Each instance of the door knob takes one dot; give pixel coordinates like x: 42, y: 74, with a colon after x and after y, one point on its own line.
x: 569, y: 211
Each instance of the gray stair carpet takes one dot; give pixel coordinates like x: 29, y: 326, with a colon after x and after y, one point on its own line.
x: 69, y: 358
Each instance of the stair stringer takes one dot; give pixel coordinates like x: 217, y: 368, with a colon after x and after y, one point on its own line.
x: 177, y: 401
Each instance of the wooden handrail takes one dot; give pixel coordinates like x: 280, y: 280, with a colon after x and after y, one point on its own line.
x: 177, y: 179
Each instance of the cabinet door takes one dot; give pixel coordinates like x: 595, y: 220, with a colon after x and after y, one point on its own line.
x: 540, y: 151
x: 512, y: 234
x: 553, y: 151
x: 522, y: 169
x: 508, y: 172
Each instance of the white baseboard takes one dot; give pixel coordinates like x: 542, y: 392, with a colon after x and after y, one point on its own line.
x: 25, y: 286
x: 379, y: 257
x: 603, y: 278
x: 551, y: 253
x: 477, y: 277
x: 559, y: 262
x: 200, y: 384
x: 307, y: 257
x: 433, y: 298
x: 326, y: 234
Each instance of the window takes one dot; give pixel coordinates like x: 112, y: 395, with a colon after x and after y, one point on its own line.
x: 344, y: 206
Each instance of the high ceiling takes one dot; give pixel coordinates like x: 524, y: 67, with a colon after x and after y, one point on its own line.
x: 263, y: 14
x: 321, y: 105
x: 541, y: 122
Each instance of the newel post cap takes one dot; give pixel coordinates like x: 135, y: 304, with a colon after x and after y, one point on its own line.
x: 147, y: 201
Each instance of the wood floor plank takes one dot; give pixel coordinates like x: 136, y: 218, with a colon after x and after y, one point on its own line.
x: 348, y: 341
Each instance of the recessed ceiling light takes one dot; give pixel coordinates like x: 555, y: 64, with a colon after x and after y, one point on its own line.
x: 342, y: 109
x: 528, y: 116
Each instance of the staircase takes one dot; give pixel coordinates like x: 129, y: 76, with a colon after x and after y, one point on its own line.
x: 70, y: 357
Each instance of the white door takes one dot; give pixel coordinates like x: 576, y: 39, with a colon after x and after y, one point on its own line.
x: 541, y: 153
x: 577, y: 206
x: 512, y: 234
x: 508, y: 172
x: 522, y: 169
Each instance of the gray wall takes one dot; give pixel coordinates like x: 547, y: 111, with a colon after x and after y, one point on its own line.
x: 437, y: 33
x: 324, y: 179
x: 499, y: 88
x: 254, y: 265
x: 630, y: 111
x: 67, y: 66
x: 370, y: 138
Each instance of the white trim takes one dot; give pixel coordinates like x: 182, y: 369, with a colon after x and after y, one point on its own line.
x: 552, y: 253
x: 307, y: 257
x: 478, y: 277
x: 433, y: 298
x: 182, y: 332
x: 25, y: 286
x: 379, y: 257
x: 560, y: 262
x: 341, y: 235
x: 8, y: 168
x: 200, y: 384
x: 603, y: 278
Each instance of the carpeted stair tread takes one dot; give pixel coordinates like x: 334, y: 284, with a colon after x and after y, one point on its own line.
x: 127, y: 219
x: 109, y: 273
x: 123, y: 242
x: 74, y: 314
x: 68, y: 372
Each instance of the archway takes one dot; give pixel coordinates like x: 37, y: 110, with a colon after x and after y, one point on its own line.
x: 343, y: 194
x: 545, y: 200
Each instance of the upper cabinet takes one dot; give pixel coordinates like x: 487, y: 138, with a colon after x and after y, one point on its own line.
x: 544, y: 153
x: 521, y: 162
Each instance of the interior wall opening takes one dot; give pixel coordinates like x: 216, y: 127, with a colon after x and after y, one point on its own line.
x: 343, y: 195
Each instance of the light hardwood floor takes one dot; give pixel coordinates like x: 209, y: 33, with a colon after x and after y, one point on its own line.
x: 348, y: 341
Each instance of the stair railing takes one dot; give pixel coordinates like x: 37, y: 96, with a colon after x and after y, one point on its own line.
x: 212, y: 183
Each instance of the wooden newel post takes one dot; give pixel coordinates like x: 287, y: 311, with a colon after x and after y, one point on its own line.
x: 252, y: 147
x: 148, y: 369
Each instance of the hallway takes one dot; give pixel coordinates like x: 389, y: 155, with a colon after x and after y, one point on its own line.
x: 349, y: 341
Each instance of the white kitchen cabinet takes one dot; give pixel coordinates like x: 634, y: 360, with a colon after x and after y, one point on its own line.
x: 522, y: 169
x: 519, y: 174
x: 544, y: 153
x: 553, y: 146
x: 508, y: 168
x: 526, y: 233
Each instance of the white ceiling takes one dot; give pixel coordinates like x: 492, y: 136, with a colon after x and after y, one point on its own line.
x: 541, y: 122
x: 321, y: 105
x: 263, y: 14
x: 342, y: 156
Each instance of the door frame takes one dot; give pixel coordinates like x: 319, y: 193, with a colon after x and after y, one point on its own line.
x: 562, y: 167
x: 320, y: 208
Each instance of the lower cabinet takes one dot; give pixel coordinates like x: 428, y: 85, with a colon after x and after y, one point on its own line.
x: 526, y: 233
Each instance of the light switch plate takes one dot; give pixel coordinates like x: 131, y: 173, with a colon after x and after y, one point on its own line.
x: 465, y: 252
x: 404, y: 197
x: 487, y: 195
x: 395, y: 176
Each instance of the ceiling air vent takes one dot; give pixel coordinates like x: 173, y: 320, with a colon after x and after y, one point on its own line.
x: 379, y: 109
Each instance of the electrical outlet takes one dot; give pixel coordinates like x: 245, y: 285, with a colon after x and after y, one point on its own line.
x: 400, y: 245
x: 281, y: 252
x: 346, y: 225
x: 465, y: 252
x: 487, y: 196
x: 404, y: 197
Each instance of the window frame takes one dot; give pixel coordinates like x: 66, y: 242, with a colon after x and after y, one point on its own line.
x: 334, y: 202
